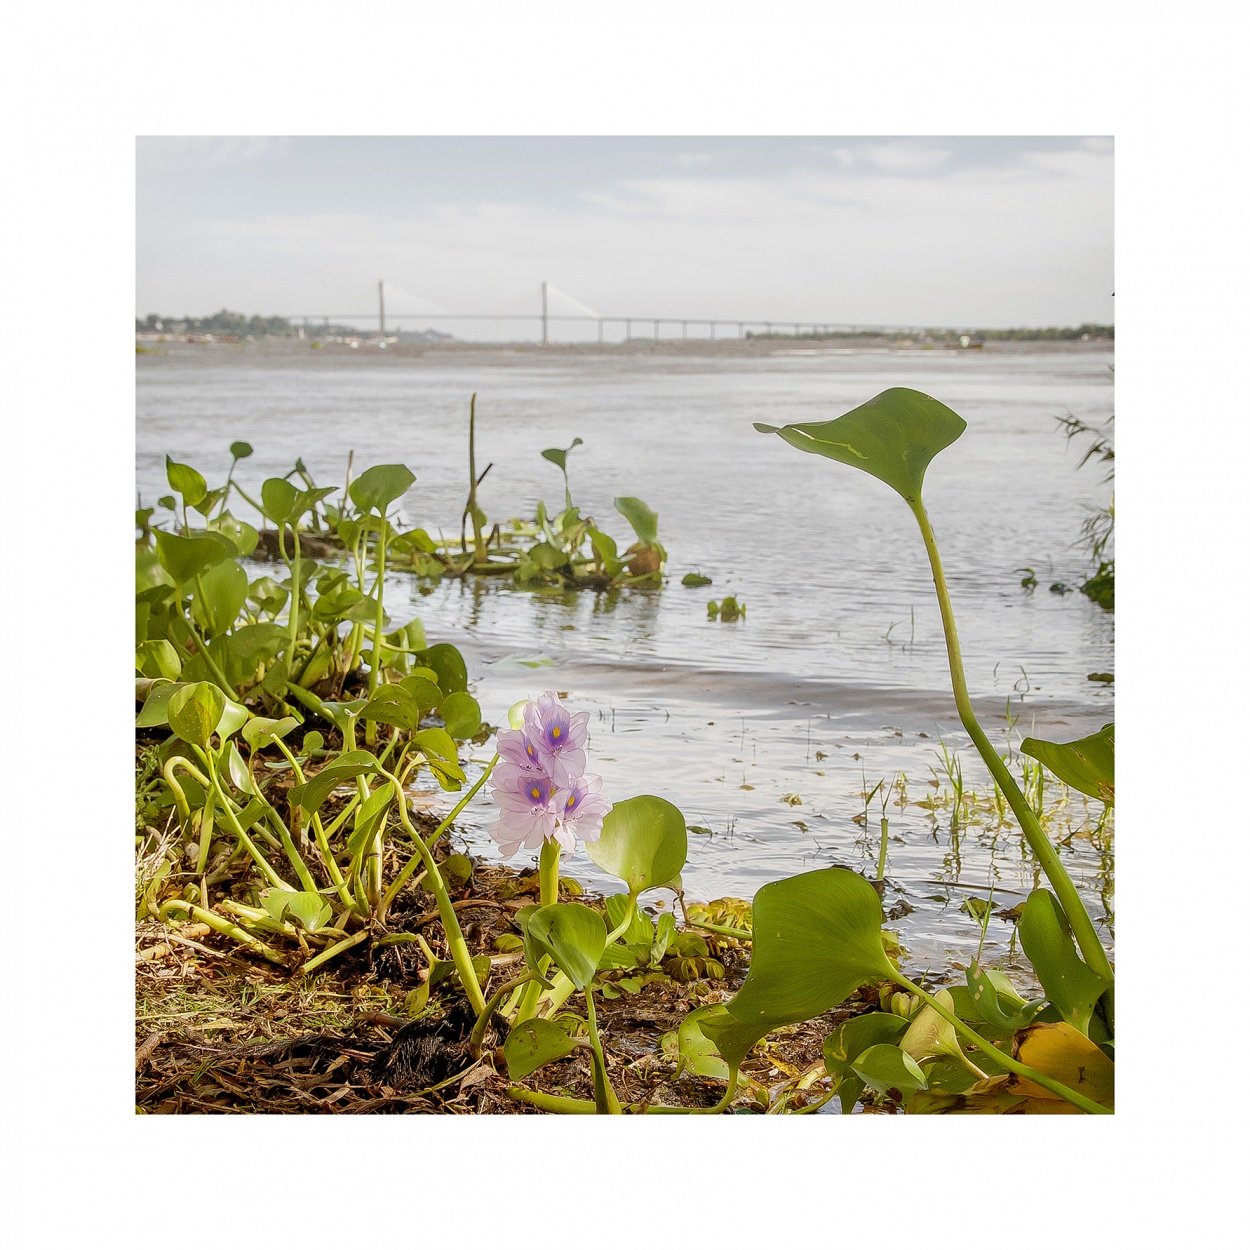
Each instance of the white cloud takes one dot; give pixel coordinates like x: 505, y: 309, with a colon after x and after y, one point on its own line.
x: 883, y: 240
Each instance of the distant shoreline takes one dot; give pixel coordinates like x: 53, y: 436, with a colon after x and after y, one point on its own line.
x: 753, y: 348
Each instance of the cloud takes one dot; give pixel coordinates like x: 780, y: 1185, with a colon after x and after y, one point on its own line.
x: 868, y: 233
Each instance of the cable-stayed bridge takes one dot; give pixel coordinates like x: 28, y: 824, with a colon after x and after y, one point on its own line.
x: 545, y: 323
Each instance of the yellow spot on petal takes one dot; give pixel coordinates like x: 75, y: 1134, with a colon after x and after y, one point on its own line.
x: 536, y: 792
x: 555, y: 732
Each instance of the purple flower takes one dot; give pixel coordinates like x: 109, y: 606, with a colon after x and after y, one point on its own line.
x: 541, y: 783
x: 558, y: 736
x: 581, y: 808
x: 527, y: 811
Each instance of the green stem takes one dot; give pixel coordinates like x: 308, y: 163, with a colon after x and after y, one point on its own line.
x: 606, y: 1101
x: 548, y: 893
x: 217, y: 923
x: 496, y: 1000
x: 202, y: 647
x: 252, y: 849
x: 337, y: 949
x: 549, y: 873
x: 451, y: 925
x: 1082, y: 926
x: 1000, y: 1057
x: 294, y: 610
x: 410, y: 867
x: 375, y: 669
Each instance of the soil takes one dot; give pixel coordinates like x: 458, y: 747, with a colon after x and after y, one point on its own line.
x: 220, y: 1031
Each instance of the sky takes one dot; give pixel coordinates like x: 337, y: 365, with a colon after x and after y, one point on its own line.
x: 964, y: 231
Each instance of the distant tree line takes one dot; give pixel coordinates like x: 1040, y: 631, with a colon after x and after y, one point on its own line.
x: 231, y: 324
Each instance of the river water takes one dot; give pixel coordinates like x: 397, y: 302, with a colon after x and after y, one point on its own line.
x: 836, y: 677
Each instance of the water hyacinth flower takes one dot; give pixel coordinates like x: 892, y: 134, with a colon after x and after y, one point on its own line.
x: 558, y: 736
x: 541, y: 783
x: 582, y: 808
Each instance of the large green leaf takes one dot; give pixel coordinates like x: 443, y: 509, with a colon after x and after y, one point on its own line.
x: 573, y: 935
x: 1072, y: 987
x: 1087, y: 765
x: 260, y: 731
x: 893, y: 436
x: 815, y: 938
x: 531, y: 1045
x: 182, y: 558
x: 645, y: 522
x: 377, y: 488
x: 643, y: 842
x: 312, y: 793
x: 194, y: 710
x: 448, y: 663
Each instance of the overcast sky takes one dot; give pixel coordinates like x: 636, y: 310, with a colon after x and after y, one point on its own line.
x: 985, y: 231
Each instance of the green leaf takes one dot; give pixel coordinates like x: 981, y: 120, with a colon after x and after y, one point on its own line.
x: 644, y: 521
x: 893, y: 436
x: 194, y: 710
x: 427, y: 695
x: 240, y: 774
x: 155, y: 710
x: 848, y: 1041
x: 277, y: 497
x: 816, y: 937
x: 559, y: 455
x: 1070, y: 985
x: 158, y: 659
x: 888, y: 1070
x: 243, y: 535
x: 260, y: 731
x: 436, y: 743
x: 531, y: 1045
x: 1087, y: 765
x: 696, y: 579
x: 310, y: 911
x: 996, y: 1001
x: 377, y: 488
x: 574, y: 936
x: 369, y: 817
x: 188, y: 482
x: 182, y: 558
x: 461, y: 714
x: 240, y: 450
x: 640, y: 928
x: 393, y: 705
x: 224, y: 594
x: 312, y: 793
x: 233, y: 717
x: 643, y: 842
x: 696, y: 1053
x: 448, y: 663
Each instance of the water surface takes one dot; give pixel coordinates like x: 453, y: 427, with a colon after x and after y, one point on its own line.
x: 835, y: 679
